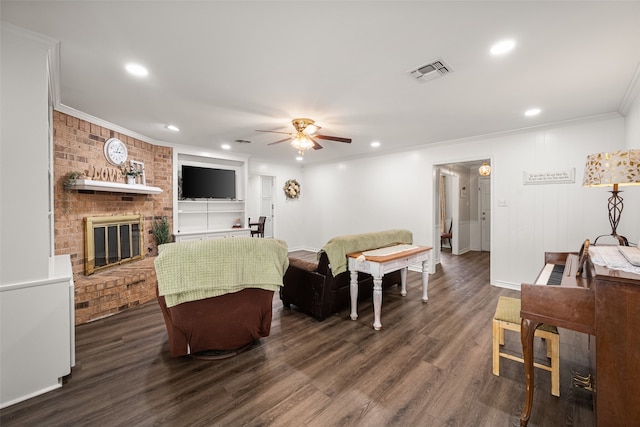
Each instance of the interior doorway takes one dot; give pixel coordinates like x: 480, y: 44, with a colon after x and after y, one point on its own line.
x: 463, y: 204
x: 261, y: 201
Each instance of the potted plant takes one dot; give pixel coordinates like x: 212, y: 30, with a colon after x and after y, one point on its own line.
x: 131, y: 173
x: 161, y: 230
x: 71, y: 178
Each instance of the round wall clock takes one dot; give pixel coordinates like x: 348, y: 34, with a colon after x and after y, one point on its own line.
x: 115, y: 151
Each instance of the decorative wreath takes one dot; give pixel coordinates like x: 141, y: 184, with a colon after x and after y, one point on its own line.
x: 291, y: 189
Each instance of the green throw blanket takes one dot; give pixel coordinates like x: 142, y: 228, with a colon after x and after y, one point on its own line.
x: 190, y: 271
x: 338, y: 247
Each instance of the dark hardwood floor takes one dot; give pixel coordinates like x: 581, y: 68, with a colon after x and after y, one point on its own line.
x: 430, y: 365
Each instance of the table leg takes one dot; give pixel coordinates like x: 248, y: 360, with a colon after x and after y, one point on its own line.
x: 377, y: 302
x: 425, y: 280
x: 353, y: 292
x: 403, y: 282
x: 527, y: 333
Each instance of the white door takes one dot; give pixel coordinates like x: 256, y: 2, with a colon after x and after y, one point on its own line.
x: 485, y: 212
x: 267, y: 204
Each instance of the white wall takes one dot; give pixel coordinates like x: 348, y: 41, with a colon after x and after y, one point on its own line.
x: 397, y: 191
x: 631, y: 194
x: 289, y: 223
x: 370, y: 194
x: 24, y: 158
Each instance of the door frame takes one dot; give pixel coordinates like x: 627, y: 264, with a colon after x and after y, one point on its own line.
x: 254, y: 201
x: 443, y: 167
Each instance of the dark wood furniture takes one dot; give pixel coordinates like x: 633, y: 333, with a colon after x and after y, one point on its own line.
x: 447, y: 235
x: 605, y: 304
x: 312, y: 287
x: 259, y: 231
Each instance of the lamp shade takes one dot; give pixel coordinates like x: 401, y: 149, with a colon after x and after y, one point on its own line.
x: 606, y: 169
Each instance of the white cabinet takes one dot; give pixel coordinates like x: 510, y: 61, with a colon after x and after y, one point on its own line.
x: 37, y: 317
x: 218, y: 234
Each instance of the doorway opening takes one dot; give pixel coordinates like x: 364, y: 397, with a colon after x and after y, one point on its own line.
x: 462, y: 199
x: 261, y: 201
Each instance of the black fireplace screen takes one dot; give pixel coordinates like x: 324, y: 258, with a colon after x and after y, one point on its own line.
x: 112, y: 241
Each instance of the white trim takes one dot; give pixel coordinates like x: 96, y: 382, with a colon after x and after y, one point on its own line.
x: 95, y: 120
x: 506, y: 285
x: 632, y: 91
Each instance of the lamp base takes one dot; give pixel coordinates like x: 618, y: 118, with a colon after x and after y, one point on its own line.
x: 622, y: 241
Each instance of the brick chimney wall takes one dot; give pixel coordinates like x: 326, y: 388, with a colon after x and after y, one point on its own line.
x: 79, y: 146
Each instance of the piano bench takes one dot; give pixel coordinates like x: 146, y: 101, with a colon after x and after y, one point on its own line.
x: 507, y: 316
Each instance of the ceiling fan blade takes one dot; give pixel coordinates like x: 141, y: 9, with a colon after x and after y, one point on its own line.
x: 273, y: 131
x: 316, y: 146
x: 279, y: 141
x: 333, y: 138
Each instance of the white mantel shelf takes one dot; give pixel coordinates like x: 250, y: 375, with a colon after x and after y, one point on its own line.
x: 116, y: 187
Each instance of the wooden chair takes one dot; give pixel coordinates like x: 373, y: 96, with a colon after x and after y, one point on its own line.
x: 447, y: 235
x: 260, y: 224
x: 507, y: 316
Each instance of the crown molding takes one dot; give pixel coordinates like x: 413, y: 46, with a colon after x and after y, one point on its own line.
x: 97, y: 121
x: 631, y: 94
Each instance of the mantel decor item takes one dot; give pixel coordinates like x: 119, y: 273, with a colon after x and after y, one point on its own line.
x: 131, y: 172
x: 291, y: 189
x: 612, y: 170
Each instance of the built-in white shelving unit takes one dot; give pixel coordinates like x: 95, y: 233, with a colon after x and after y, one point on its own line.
x: 205, y: 215
x: 198, y: 219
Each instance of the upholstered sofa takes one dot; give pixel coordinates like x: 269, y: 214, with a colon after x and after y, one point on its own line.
x: 216, y: 295
x: 322, y: 288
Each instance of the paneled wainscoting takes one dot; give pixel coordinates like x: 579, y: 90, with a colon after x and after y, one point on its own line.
x: 430, y: 365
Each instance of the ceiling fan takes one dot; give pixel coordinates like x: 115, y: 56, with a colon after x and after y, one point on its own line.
x: 305, y: 137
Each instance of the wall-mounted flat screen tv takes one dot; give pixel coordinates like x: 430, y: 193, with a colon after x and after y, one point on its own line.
x: 208, y: 183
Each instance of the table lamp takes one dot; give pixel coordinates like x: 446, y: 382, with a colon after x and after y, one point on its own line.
x: 612, y: 170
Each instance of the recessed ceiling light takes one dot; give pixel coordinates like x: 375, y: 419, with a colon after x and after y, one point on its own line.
x: 502, y: 47
x: 532, y: 112
x: 375, y: 144
x: 225, y: 147
x: 299, y: 158
x: 137, y: 70
x: 173, y: 128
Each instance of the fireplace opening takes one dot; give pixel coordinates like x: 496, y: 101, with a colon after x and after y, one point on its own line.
x: 111, y: 241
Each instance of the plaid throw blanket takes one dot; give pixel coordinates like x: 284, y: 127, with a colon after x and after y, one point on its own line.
x: 338, y: 247
x: 190, y: 271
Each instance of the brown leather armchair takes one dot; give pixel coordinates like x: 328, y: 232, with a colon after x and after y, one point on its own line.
x: 314, y: 290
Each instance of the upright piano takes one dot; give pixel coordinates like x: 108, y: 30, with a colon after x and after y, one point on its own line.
x: 595, y: 300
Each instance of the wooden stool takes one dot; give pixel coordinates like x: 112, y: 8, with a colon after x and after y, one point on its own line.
x: 508, y: 317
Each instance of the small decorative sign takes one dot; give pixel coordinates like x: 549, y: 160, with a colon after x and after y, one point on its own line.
x: 557, y: 177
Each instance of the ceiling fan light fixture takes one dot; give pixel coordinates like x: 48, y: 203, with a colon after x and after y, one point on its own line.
x: 310, y: 129
x: 301, y: 142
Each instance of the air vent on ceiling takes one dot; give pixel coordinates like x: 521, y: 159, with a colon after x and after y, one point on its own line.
x: 431, y: 70
x: 242, y: 141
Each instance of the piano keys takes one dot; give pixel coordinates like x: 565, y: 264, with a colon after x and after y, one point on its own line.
x: 603, y: 303
x: 551, y: 274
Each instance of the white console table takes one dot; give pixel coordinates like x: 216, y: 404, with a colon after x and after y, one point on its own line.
x: 378, y: 266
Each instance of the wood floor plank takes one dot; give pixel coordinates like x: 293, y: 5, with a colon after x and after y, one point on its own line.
x: 430, y: 364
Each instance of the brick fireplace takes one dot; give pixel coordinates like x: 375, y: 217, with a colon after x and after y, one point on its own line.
x: 78, y: 146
